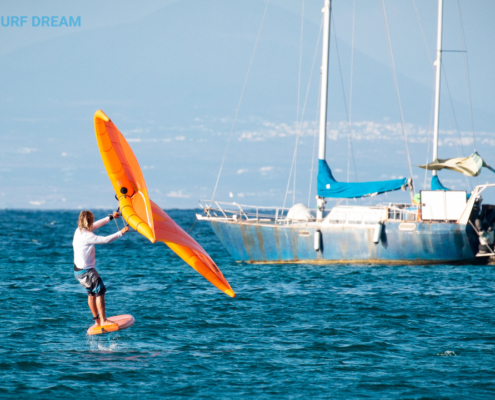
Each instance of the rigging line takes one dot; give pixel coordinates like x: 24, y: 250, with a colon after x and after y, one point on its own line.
x: 450, y: 99
x: 240, y: 101
x: 397, y: 91
x: 459, y: 153
x: 291, y: 170
x: 300, y: 62
x: 432, y: 96
x: 309, y: 85
x: 349, y: 142
x: 294, y: 180
x: 314, y: 147
x: 317, y: 117
x: 192, y: 227
x: 428, y: 135
x: 298, y: 101
x: 294, y: 156
x: 454, y: 114
x: 345, y: 100
x: 466, y: 70
x: 466, y: 74
x: 422, y: 31
x: 299, y: 123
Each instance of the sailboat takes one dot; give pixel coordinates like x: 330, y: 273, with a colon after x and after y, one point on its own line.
x: 439, y: 226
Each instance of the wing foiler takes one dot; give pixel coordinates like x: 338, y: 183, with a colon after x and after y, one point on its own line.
x: 140, y: 212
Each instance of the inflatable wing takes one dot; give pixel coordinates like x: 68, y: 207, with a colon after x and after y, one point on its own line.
x: 168, y: 232
x: 126, y: 176
x: 140, y: 212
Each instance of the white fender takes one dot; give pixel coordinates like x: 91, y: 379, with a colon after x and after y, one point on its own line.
x: 317, y: 240
x: 377, y: 233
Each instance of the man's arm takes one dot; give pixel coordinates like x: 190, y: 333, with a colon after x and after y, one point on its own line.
x: 91, y: 238
x: 104, y: 221
x: 100, y: 223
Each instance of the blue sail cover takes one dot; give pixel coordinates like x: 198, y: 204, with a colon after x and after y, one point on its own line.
x: 436, y: 184
x: 329, y: 187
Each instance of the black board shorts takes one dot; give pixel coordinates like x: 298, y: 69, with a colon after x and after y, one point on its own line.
x: 91, y: 281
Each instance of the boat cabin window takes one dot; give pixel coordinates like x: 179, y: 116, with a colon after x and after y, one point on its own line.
x: 394, y: 214
x: 372, y: 218
x: 354, y: 218
x: 337, y: 218
x: 411, y: 214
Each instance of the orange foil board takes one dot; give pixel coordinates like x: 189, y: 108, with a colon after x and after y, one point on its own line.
x: 121, y: 322
x: 140, y: 212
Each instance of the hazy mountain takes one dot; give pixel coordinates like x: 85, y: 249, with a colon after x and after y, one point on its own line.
x: 172, y: 82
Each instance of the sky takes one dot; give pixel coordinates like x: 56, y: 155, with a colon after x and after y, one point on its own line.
x: 170, y: 75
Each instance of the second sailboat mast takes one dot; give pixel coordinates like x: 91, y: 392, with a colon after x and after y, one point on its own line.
x: 438, y: 64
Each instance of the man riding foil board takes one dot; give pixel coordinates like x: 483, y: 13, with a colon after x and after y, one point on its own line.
x: 84, y: 263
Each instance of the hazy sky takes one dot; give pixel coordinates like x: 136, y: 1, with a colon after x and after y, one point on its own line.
x: 170, y: 73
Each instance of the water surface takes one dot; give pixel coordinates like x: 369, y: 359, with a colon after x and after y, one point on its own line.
x: 294, y: 331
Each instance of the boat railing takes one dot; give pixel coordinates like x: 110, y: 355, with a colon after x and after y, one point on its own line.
x: 235, y: 212
x: 278, y: 215
x: 402, y: 214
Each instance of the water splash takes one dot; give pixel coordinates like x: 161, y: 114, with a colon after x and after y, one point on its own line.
x: 110, y: 342
x: 447, y: 353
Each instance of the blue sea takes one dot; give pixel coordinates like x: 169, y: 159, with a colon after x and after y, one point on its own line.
x: 292, y: 332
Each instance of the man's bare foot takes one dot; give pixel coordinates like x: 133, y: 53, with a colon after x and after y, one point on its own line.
x: 107, y: 322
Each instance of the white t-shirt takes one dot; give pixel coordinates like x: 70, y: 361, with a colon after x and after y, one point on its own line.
x: 84, y: 241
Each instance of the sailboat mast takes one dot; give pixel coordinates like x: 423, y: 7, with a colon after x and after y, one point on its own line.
x: 324, y: 80
x: 438, y: 64
x: 324, y: 95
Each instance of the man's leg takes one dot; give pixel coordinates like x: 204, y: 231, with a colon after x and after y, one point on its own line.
x: 100, y: 304
x: 93, y: 308
x: 100, y: 291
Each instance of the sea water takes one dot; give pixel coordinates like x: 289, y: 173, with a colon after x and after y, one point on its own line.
x: 292, y: 332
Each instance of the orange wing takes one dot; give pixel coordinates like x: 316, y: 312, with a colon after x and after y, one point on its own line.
x: 126, y: 176
x: 140, y: 212
x: 168, y: 232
